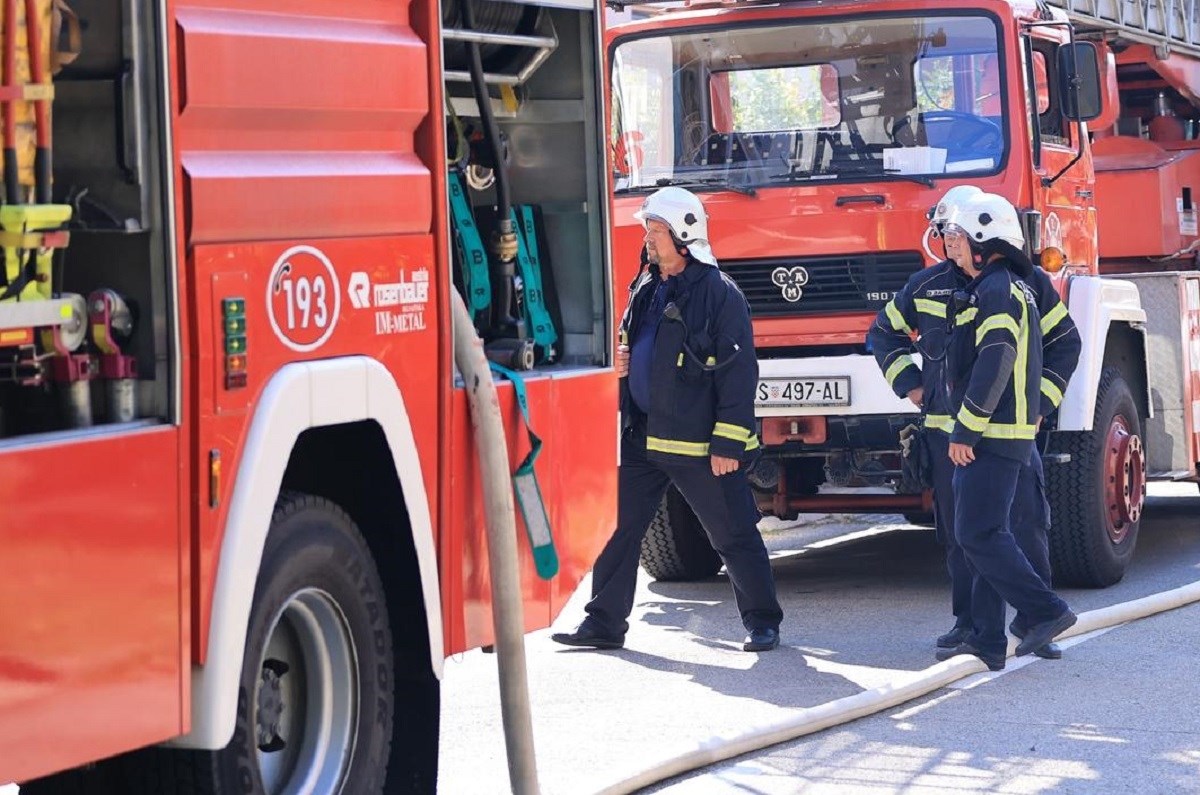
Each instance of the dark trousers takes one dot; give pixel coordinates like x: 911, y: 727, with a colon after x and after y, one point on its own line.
x: 725, y: 507
x: 984, y: 492
x: 1028, y: 523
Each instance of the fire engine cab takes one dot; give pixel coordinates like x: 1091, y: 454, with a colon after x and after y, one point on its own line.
x: 821, y: 134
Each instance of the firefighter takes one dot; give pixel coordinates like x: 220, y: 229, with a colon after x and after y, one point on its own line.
x: 688, y: 378
x: 993, y: 372
x: 921, y: 308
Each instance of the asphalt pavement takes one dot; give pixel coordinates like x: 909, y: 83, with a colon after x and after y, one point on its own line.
x: 864, y: 598
x: 863, y: 602
x: 1118, y: 715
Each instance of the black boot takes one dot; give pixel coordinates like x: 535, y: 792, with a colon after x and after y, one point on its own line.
x: 994, y: 662
x: 587, y: 637
x: 953, y: 637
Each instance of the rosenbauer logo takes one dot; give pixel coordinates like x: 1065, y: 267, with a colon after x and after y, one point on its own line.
x: 304, y: 298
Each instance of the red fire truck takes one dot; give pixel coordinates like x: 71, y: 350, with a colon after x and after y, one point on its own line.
x: 230, y: 234
x: 823, y: 132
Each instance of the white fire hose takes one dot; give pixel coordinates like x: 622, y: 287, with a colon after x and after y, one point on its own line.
x: 843, y: 710
x: 507, y: 609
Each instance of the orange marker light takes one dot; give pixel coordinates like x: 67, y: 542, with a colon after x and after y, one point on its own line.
x: 1052, y: 259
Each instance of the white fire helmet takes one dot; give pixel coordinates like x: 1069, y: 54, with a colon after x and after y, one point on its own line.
x: 683, y: 212
x: 940, y: 212
x: 989, y: 217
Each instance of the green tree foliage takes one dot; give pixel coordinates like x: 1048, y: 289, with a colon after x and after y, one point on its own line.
x: 781, y: 99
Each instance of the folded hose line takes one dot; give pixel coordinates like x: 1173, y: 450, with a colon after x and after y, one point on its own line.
x: 507, y: 607
x: 908, y: 686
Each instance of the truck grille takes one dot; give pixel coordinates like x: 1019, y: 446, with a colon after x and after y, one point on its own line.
x: 848, y: 283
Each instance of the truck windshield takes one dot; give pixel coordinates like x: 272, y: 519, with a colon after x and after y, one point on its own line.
x: 903, y: 97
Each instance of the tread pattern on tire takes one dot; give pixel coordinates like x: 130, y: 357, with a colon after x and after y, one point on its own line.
x: 1080, y: 551
x: 675, y: 547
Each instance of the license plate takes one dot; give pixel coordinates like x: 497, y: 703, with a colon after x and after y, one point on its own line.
x: 786, y: 392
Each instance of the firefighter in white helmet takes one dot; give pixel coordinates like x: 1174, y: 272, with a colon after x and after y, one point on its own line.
x: 939, y: 213
x: 684, y: 214
x: 994, y: 366
x: 688, y: 377
x: 921, y: 308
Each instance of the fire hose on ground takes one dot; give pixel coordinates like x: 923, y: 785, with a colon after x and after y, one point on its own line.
x: 843, y: 710
x: 507, y: 612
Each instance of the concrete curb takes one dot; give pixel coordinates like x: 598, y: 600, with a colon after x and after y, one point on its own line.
x: 843, y: 710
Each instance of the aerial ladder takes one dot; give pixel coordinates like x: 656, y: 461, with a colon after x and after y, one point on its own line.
x: 1171, y: 26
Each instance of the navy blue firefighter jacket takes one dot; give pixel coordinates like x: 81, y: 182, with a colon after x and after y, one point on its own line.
x: 704, y: 371
x: 920, y: 309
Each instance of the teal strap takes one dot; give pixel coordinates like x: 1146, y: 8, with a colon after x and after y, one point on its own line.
x: 471, y: 255
x: 529, y: 493
x: 536, y: 313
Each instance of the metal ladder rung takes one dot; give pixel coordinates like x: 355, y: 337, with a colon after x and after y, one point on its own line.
x: 1156, y: 22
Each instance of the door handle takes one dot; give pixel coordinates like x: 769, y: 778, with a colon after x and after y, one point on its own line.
x: 1083, y: 193
x: 870, y: 198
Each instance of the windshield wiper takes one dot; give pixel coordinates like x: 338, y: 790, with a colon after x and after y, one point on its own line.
x: 803, y: 176
x: 704, y: 182
x: 832, y: 176
x: 917, y: 178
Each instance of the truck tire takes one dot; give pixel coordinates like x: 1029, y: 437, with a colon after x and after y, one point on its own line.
x: 316, y: 698
x: 919, y: 518
x: 676, y: 548
x: 1096, y: 498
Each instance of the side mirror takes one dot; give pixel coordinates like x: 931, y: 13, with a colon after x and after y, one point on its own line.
x: 1079, y: 81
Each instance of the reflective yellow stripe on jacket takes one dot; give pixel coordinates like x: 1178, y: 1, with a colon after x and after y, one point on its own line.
x: 693, y: 449
x: 997, y: 322
x: 930, y: 307
x: 901, y: 364
x: 898, y: 322
x: 972, y: 421
x: 730, y: 431
x: 1051, y: 390
x: 676, y: 447
x: 1053, y: 317
x: 1010, y: 431
x: 940, y: 422
x: 1021, y: 368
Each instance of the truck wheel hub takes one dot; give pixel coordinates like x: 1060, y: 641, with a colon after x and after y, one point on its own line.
x: 270, y: 705
x: 1124, y: 478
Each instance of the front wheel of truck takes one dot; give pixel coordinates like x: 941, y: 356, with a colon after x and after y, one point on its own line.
x: 1096, y: 497
x: 316, y: 693
x: 315, y: 699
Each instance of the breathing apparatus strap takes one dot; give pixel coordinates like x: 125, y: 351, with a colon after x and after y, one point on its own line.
x: 529, y: 494
x: 536, y: 314
x: 471, y: 255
